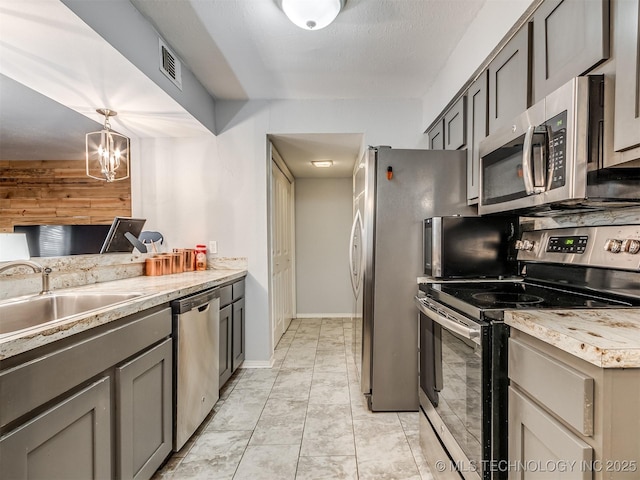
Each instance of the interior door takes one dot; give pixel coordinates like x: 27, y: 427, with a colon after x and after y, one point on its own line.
x: 281, y: 252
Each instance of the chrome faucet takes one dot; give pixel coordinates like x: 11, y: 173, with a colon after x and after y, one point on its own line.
x: 36, y: 267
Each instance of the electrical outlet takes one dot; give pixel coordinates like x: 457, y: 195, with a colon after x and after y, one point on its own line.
x: 213, y: 246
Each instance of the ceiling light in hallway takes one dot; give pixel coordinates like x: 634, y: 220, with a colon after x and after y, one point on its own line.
x: 323, y: 163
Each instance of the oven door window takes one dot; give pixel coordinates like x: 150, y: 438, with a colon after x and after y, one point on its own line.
x: 463, y: 395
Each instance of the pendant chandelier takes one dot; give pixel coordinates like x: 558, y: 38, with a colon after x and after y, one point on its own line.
x: 107, y: 152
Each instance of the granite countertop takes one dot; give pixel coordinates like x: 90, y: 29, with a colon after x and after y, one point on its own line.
x: 607, y: 338
x: 154, y: 291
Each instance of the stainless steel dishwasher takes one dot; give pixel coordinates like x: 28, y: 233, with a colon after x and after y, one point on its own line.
x: 196, y: 322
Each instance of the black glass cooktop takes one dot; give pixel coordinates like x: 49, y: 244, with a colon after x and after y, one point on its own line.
x: 517, y: 295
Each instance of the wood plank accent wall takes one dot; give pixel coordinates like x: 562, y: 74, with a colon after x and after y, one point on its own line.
x: 58, y: 192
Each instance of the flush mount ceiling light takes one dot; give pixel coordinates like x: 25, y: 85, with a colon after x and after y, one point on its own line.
x: 312, y: 14
x: 107, y: 152
x: 323, y: 163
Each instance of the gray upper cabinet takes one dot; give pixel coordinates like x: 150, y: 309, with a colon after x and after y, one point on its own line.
x: 477, y: 129
x: 436, y: 136
x: 455, y: 125
x: 627, y: 91
x: 72, y: 439
x: 570, y: 37
x: 510, y: 80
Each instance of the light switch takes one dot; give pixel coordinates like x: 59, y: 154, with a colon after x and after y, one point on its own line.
x: 213, y: 246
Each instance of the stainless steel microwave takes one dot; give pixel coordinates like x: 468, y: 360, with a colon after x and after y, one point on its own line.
x: 465, y: 247
x: 552, y: 157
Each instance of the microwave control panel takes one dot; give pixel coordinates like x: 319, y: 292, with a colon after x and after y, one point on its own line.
x: 556, y: 168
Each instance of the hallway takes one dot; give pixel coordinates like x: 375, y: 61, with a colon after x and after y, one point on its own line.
x: 303, y: 419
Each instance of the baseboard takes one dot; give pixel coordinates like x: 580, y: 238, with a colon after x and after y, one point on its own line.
x: 324, y: 315
x: 258, y: 363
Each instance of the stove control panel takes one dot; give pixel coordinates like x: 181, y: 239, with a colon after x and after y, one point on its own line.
x: 569, y: 244
x: 610, y: 246
x: 628, y: 245
x: 631, y: 245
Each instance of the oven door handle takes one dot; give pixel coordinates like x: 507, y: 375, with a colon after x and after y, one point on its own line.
x: 470, y: 333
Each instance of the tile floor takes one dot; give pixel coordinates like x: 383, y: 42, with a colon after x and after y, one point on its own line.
x: 302, y: 419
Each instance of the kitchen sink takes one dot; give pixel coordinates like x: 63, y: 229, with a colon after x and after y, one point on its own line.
x: 32, y: 311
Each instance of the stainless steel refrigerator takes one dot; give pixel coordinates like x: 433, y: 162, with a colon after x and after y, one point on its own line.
x: 394, y: 191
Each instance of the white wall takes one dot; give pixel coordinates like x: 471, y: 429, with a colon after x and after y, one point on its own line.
x: 323, y: 209
x: 491, y: 24
x: 223, y: 180
x: 215, y: 188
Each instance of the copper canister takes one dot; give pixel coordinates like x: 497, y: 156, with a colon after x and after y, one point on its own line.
x: 166, y: 259
x: 179, y: 253
x: 189, y: 260
x: 176, y: 263
x: 153, y: 266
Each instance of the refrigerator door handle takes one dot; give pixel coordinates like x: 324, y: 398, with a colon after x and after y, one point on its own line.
x: 354, y: 270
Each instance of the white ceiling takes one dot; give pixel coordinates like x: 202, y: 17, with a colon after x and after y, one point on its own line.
x: 248, y: 49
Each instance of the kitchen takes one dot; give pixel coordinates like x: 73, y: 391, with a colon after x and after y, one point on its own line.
x: 242, y: 127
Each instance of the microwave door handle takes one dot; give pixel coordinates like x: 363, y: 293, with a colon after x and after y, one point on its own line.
x: 527, y: 166
x: 541, y: 161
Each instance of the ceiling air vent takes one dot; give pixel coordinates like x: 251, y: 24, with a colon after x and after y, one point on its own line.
x: 170, y: 65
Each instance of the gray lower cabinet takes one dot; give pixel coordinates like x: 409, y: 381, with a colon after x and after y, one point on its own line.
x: 627, y: 91
x: 226, y: 337
x: 62, y: 403
x: 70, y: 440
x: 510, y: 80
x: 565, y: 411
x: 569, y: 38
x: 238, y: 333
x: 143, y: 403
x: 232, y: 329
x: 477, y: 130
x: 436, y: 136
x: 536, y: 438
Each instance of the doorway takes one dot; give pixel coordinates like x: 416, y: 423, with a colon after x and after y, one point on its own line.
x: 282, y: 246
x: 309, y: 221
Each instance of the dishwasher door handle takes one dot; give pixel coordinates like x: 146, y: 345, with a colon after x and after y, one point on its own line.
x: 204, y: 308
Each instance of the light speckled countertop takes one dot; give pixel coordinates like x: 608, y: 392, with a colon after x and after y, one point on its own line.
x: 608, y: 338
x: 154, y: 291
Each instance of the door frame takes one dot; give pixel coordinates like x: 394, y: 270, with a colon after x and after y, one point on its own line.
x: 273, y: 156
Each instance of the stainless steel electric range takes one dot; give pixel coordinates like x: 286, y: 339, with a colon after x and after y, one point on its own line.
x: 463, y: 339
